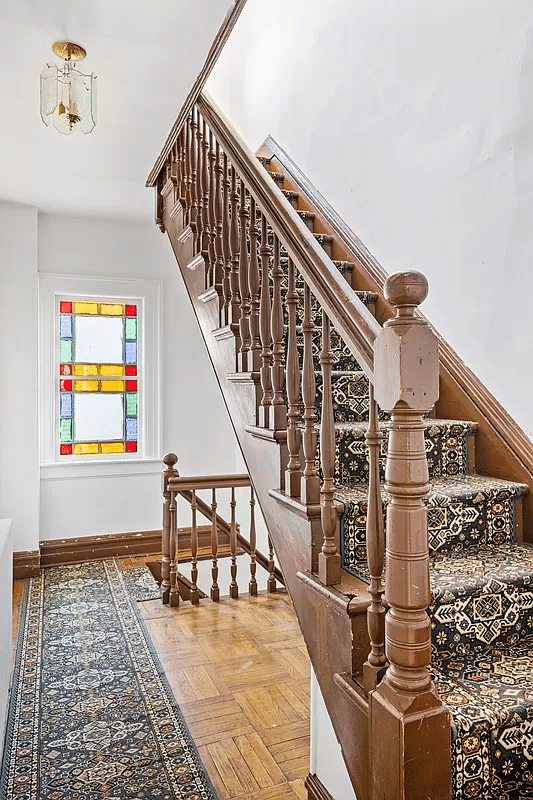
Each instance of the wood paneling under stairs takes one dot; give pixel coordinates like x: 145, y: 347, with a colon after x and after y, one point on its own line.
x: 240, y: 673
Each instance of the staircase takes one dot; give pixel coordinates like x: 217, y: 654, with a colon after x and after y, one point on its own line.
x: 288, y: 312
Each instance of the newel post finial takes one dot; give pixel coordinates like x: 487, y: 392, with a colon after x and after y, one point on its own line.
x: 405, y: 710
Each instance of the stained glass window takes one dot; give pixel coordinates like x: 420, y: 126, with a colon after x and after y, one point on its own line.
x: 98, y: 378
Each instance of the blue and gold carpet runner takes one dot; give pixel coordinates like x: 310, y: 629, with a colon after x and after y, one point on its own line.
x: 91, y: 713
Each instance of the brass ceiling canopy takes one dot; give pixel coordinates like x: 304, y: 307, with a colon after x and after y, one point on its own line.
x: 69, y: 51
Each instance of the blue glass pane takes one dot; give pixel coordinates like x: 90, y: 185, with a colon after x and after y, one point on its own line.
x: 66, y: 405
x: 131, y: 352
x: 131, y: 430
x: 65, y: 326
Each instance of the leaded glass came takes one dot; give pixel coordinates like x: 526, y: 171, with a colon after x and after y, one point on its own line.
x: 98, y: 378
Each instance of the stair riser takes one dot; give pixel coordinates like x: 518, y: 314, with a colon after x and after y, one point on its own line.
x: 454, y: 525
x: 447, y: 450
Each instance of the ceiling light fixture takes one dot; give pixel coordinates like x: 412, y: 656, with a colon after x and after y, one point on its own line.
x: 68, y: 96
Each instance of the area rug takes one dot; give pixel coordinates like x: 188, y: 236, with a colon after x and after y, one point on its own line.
x: 91, y: 714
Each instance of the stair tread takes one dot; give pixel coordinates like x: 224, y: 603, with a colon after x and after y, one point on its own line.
x: 443, y: 486
x: 466, y: 426
x: 476, y: 568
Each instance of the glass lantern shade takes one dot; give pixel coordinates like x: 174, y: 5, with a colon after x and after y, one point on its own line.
x: 68, y: 99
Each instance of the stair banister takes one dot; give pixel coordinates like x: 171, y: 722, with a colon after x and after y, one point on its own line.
x: 352, y: 319
x: 405, y: 709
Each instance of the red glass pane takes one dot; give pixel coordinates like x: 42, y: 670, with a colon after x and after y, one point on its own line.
x: 131, y: 386
x: 65, y: 369
x: 131, y: 311
x: 65, y: 386
x: 65, y: 308
x: 65, y: 449
x: 131, y: 369
x: 131, y: 447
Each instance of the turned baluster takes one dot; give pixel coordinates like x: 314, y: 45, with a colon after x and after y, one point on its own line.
x: 215, y: 591
x: 235, y: 310
x: 329, y: 563
x: 206, y: 231
x: 294, y: 473
x: 265, y: 314
x: 174, y: 170
x: 405, y: 709
x: 244, y: 286
x: 195, y: 593
x: 169, y: 461
x: 182, y: 176
x: 199, y: 184
x: 226, y: 251
x: 252, y: 586
x: 233, y: 588
x: 279, y: 410
x: 212, y: 212
x: 310, y: 479
x: 193, y: 126
x: 174, y: 595
x: 376, y: 663
x: 219, y: 246
x: 187, y: 155
x: 271, y: 582
x: 255, y: 288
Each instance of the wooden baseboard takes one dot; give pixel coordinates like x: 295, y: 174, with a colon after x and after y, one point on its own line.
x: 89, y: 548
x: 26, y: 564
x: 315, y: 789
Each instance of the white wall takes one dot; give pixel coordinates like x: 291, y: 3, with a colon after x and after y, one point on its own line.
x: 195, y: 423
x: 19, y: 466
x: 415, y: 120
x: 326, y: 759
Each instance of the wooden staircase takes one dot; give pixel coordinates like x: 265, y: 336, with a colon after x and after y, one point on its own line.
x: 296, y: 314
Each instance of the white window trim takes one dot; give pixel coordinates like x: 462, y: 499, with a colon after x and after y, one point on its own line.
x: 148, y: 294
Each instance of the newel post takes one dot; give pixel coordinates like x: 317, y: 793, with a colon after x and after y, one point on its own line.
x: 170, y: 471
x: 409, y: 725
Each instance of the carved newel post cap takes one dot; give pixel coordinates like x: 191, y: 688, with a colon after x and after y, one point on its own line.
x: 170, y: 460
x: 406, y: 289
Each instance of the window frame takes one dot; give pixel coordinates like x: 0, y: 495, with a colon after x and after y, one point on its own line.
x: 146, y: 295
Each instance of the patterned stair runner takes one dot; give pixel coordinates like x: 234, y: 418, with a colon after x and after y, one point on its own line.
x: 481, y: 577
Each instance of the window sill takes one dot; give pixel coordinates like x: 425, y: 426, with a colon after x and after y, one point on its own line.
x: 120, y: 468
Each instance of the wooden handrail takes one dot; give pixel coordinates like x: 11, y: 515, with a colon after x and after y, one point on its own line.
x: 197, y: 482
x: 353, y: 320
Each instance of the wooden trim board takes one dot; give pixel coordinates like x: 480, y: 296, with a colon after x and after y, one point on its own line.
x: 26, y: 564
x: 316, y: 789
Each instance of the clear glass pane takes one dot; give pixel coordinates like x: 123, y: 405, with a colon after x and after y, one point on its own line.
x: 98, y: 340
x: 98, y: 417
x: 48, y: 92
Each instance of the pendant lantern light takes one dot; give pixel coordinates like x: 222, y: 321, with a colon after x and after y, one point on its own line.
x: 68, y: 96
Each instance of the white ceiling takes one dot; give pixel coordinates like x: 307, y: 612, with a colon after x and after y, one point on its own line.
x: 146, y: 56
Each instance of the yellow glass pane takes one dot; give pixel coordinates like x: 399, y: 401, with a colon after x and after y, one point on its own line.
x: 86, y: 449
x: 85, y: 369
x: 112, y: 447
x: 111, y: 369
x: 114, y: 309
x: 112, y: 386
x: 85, y: 386
x: 86, y: 308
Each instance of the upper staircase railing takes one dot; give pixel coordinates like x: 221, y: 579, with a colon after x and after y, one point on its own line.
x: 259, y: 260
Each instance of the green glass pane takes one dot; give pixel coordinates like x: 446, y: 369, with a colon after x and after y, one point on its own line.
x: 131, y: 404
x: 65, y: 431
x: 131, y: 328
x: 65, y: 351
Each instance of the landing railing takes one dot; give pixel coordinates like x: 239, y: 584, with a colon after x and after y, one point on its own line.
x: 269, y: 273
x: 221, y: 531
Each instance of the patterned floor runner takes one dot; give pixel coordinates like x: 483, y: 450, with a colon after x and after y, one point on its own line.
x: 91, y: 714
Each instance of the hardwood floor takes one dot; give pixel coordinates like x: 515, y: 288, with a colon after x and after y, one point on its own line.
x: 240, y: 673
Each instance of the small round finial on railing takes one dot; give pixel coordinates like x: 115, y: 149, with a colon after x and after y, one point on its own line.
x: 170, y: 460
x: 405, y: 291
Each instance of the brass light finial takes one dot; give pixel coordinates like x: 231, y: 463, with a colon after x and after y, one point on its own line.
x: 69, y: 51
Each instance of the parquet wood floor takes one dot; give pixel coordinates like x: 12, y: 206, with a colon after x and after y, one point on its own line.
x: 240, y: 673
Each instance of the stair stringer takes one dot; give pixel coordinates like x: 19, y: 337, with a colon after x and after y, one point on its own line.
x: 333, y: 625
